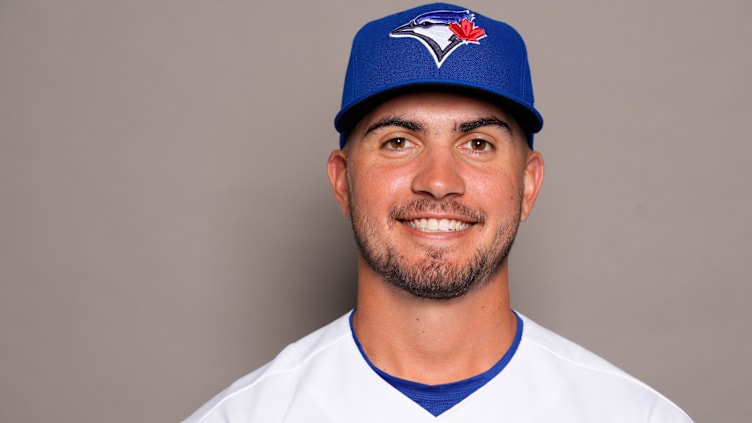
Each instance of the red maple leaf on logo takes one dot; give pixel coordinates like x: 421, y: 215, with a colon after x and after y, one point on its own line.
x: 467, y: 31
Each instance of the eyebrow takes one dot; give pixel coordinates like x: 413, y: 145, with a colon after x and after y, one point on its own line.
x: 479, y: 123
x: 394, y: 121
x: 461, y: 127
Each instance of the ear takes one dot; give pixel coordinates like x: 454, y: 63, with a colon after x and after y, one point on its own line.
x: 532, y: 181
x: 336, y: 168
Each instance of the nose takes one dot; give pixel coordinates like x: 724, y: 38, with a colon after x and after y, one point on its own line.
x: 439, y: 175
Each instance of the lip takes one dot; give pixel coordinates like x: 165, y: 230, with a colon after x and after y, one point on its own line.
x: 437, y: 220
x: 437, y: 225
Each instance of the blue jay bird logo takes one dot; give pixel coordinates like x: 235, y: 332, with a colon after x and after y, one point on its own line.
x: 442, y: 31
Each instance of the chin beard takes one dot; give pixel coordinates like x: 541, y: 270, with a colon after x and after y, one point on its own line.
x: 435, y: 279
x: 431, y: 276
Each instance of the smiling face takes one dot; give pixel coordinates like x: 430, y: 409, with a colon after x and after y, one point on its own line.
x: 436, y: 185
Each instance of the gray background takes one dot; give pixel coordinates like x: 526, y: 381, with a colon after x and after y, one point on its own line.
x: 166, y: 224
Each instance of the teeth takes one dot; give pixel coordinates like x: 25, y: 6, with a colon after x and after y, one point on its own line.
x: 437, y: 225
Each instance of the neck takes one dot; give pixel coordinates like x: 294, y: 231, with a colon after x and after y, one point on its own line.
x: 434, y: 341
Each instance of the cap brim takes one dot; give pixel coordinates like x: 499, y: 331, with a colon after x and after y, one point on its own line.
x: 527, y: 116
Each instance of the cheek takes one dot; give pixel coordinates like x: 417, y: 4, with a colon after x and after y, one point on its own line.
x: 499, y: 187
x: 373, y: 185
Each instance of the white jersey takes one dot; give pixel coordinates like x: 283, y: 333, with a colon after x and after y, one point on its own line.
x: 324, y: 378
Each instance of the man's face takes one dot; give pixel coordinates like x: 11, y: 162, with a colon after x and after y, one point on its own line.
x: 436, y: 186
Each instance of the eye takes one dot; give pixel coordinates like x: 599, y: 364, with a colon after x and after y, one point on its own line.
x: 479, y: 144
x: 396, y: 143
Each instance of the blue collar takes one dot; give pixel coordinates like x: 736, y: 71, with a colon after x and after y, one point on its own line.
x: 436, y: 399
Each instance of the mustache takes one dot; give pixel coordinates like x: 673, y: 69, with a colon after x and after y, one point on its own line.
x: 427, y: 205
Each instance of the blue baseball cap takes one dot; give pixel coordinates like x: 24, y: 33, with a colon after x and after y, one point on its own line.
x: 438, y: 46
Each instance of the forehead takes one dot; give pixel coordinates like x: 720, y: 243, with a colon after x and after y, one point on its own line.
x: 436, y: 108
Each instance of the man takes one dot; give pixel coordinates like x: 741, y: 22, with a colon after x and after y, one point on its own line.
x: 436, y: 170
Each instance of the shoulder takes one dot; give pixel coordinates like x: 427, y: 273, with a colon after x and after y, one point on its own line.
x: 585, y: 383
x: 274, y: 383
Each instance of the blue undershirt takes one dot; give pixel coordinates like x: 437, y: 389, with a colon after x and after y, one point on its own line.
x: 437, y: 399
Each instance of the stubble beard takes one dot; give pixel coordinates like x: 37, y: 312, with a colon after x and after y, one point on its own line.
x: 430, y: 276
